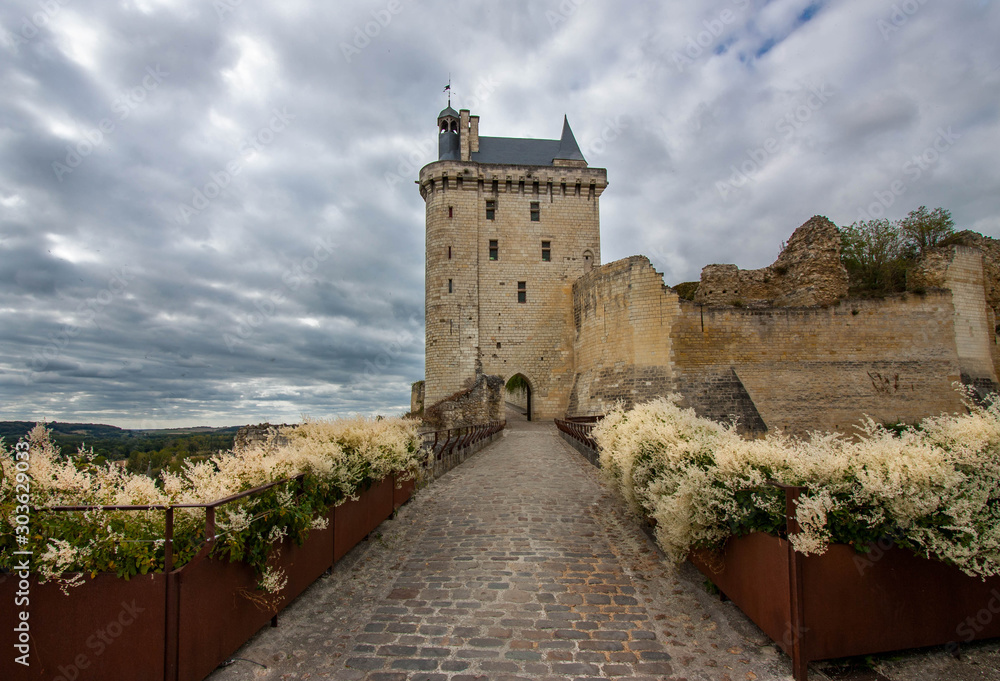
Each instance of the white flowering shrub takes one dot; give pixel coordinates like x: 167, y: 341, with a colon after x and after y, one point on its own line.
x: 337, y: 458
x: 933, y: 488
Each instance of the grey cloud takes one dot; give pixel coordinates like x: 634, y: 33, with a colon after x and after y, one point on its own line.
x: 348, y: 335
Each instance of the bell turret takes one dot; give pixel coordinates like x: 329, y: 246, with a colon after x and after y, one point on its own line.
x: 449, y: 146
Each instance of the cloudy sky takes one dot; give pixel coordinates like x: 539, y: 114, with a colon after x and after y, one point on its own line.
x: 207, y: 208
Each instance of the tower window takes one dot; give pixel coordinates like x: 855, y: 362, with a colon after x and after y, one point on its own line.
x: 546, y: 251
x: 536, y: 214
x: 451, y: 211
x: 496, y: 186
x: 534, y: 187
x: 522, y: 291
x: 449, y: 253
x: 494, y: 249
x: 491, y: 210
x: 451, y: 288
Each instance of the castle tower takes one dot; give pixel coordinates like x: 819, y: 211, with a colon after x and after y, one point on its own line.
x: 511, y: 224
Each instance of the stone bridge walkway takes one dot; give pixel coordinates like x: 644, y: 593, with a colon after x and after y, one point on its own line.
x: 518, y: 564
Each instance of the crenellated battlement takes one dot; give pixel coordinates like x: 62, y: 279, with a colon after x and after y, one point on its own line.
x: 552, y: 181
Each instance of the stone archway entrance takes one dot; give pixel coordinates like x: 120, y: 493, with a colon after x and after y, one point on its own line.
x: 517, y: 394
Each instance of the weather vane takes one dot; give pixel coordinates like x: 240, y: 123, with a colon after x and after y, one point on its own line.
x: 447, y: 88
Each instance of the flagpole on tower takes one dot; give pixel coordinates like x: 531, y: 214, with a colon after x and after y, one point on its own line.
x: 447, y: 89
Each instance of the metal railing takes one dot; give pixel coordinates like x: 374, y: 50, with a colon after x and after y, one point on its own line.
x: 441, y: 443
x: 580, y: 431
x: 209, y: 506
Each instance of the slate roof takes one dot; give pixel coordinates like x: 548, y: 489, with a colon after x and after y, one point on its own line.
x: 528, y: 152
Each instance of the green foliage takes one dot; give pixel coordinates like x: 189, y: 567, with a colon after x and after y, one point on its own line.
x: 146, y: 451
x: 876, y: 257
x: 933, y: 489
x: 878, y: 253
x: 925, y: 229
x: 687, y: 289
x: 336, y: 459
x: 517, y: 384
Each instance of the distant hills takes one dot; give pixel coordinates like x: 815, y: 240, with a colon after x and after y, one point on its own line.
x: 11, y: 431
x: 144, y: 451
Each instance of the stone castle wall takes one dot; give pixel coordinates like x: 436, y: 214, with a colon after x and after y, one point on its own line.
x: 807, y: 272
x: 825, y: 368
x: 797, y: 368
x: 966, y: 267
x: 622, y: 316
x: 779, y: 347
x: 480, y: 403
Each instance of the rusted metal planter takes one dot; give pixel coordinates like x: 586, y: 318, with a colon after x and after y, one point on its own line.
x: 106, y: 628
x: 402, y: 491
x: 356, y: 518
x: 176, y: 626
x: 220, y: 607
x: 843, y: 603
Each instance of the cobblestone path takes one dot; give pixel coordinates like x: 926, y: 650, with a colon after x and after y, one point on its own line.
x: 517, y: 564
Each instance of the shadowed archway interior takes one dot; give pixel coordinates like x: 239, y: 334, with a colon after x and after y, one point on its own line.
x: 518, y: 394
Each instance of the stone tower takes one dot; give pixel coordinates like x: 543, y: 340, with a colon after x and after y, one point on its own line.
x: 511, y: 224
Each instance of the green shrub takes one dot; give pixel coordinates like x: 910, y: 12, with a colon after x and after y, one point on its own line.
x: 935, y: 489
x: 338, y: 459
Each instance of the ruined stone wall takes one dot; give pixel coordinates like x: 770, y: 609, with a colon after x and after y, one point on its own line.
x: 480, y: 403
x: 807, y: 272
x: 797, y: 369
x: 970, y: 268
x: 622, y: 318
x: 825, y: 368
x: 248, y: 436
x: 417, y: 398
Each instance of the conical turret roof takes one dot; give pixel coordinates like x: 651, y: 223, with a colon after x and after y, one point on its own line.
x: 569, y: 150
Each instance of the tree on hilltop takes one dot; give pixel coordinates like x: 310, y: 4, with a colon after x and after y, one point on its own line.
x: 926, y: 229
x: 878, y: 253
x: 875, y: 255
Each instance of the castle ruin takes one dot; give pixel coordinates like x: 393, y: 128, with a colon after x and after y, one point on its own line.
x: 515, y: 286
